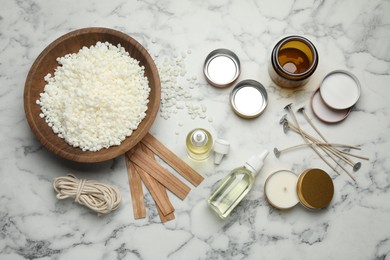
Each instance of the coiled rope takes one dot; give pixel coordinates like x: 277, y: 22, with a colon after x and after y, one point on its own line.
x: 99, y: 197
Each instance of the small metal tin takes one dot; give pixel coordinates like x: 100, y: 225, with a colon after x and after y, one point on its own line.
x: 249, y: 98
x: 313, y: 188
x: 326, y: 113
x: 340, y: 89
x: 221, y: 68
x: 280, y: 189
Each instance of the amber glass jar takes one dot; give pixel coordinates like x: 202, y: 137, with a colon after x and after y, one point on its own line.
x: 293, y: 60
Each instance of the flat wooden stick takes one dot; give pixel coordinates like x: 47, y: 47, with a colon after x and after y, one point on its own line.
x: 172, y: 160
x: 165, y: 198
x: 157, y: 194
x: 166, y: 218
x: 170, y: 181
x: 137, y: 195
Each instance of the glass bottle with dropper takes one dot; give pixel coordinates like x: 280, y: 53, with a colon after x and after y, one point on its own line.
x: 199, y: 144
x: 236, y: 185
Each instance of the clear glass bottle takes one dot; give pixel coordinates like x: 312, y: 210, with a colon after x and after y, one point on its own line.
x: 199, y: 144
x: 235, y: 186
x: 293, y: 60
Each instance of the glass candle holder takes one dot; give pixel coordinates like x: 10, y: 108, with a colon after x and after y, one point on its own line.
x: 293, y: 60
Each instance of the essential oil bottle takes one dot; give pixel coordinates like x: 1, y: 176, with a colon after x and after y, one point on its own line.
x: 236, y: 185
x: 199, y: 144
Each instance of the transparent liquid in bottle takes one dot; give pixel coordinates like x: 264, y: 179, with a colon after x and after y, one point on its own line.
x: 199, y: 144
x: 231, y: 191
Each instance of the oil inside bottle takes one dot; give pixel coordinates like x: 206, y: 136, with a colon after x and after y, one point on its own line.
x: 293, y: 60
x: 236, y: 185
x: 231, y: 191
x: 199, y: 144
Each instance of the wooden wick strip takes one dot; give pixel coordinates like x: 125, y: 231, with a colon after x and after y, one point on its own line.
x: 162, y: 175
x: 166, y: 218
x: 164, y: 197
x: 155, y: 191
x: 137, y: 195
x: 172, y: 160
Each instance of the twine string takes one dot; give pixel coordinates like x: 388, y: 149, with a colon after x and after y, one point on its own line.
x: 99, y: 197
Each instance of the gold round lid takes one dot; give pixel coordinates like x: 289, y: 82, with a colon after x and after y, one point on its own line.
x: 315, y: 189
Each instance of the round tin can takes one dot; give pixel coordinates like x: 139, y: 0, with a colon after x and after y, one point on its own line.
x: 280, y: 189
x: 249, y: 98
x: 340, y: 89
x: 221, y: 68
x: 313, y: 188
x: 326, y: 113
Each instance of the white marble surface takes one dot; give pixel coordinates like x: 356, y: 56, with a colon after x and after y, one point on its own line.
x: 351, y: 35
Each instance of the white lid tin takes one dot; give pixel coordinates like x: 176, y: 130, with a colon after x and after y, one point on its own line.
x: 249, y: 99
x: 340, y: 89
x: 221, y: 68
x: 326, y: 113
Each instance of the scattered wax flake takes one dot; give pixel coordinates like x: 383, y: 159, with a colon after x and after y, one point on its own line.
x: 175, y: 94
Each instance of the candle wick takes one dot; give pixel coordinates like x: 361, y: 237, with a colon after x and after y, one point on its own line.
x: 285, y: 189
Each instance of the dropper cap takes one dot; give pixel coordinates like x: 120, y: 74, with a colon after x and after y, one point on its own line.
x: 199, y: 138
x: 221, y: 147
x: 256, y: 162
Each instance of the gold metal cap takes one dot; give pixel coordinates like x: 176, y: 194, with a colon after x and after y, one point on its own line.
x: 315, y: 189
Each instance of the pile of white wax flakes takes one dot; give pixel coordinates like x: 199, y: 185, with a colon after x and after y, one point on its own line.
x: 96, y: 98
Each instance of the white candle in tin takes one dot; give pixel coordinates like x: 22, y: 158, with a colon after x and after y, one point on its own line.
x: 281, y: 189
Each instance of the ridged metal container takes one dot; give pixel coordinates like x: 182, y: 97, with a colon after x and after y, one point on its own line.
x: 249, y: 99
x: 221, y: 68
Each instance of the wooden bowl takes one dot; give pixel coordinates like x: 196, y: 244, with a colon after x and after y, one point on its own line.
x: 46, y: 63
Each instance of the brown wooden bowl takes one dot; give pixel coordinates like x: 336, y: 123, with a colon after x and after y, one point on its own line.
x: 46, y: 63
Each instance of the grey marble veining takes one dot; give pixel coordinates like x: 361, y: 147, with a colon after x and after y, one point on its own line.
x: 350, y: 35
